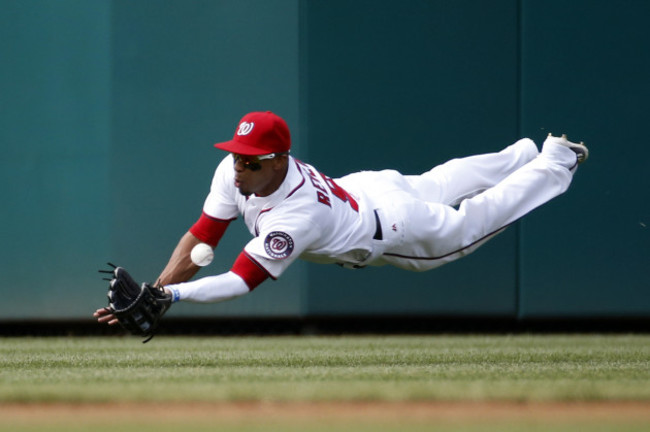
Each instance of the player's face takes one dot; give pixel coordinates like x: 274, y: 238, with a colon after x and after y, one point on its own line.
x: 256, y: 175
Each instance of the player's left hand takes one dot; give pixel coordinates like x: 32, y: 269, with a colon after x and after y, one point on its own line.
x: 105, y: 315
x: 138, y: 308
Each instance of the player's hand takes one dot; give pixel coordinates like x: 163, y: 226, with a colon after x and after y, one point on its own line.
x: 105, y: 315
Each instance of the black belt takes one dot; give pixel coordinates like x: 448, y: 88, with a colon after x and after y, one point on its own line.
x: 378, y: 233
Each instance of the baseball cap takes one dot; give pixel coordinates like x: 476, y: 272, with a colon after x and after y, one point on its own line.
x: 259, y: 133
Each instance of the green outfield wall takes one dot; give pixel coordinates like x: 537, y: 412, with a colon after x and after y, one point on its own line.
x: 110, y: 109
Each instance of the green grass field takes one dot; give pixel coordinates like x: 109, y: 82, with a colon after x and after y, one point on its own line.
x: 289, y: 383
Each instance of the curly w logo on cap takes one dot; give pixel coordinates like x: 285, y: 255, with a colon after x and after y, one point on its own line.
x: 259, y: 133
x: 245, y: 128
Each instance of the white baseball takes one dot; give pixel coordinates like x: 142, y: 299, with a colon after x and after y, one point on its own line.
x: 202, y: 254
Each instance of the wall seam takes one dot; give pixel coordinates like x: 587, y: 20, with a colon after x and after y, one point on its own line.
x: 518, y: 125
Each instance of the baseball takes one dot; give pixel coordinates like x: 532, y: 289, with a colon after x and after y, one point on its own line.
x: 202, y: 254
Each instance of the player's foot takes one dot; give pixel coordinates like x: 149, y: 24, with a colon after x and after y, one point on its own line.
x: 580, y: 149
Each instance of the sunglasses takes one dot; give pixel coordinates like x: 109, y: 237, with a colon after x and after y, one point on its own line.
x: 253, y: 162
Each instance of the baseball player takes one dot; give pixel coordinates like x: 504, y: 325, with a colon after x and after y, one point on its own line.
x: 370, y: 218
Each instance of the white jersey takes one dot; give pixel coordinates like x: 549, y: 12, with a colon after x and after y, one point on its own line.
x: 310, y: 217
x: 384, y: 217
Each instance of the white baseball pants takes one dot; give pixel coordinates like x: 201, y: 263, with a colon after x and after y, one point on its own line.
x: 424, y: 229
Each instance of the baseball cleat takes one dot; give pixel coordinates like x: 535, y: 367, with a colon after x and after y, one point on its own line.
x: 580, y: 149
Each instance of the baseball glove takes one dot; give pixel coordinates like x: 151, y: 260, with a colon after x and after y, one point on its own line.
x: 138, y: 308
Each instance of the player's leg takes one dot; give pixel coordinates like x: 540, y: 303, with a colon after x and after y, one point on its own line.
x: 434, y: 234
x: 462, y: 178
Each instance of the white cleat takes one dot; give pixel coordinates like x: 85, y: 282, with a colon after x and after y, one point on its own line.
x: 580, y: 149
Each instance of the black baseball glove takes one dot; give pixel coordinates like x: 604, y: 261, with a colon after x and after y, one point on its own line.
x: 138, y: 308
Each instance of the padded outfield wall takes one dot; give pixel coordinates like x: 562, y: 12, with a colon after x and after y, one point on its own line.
x: 110, y: 110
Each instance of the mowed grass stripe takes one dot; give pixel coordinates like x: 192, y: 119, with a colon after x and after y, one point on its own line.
x: 293, y: 369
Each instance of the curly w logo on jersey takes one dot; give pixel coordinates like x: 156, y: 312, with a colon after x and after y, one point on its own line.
x: 278, y: 245
x: 245, y: 128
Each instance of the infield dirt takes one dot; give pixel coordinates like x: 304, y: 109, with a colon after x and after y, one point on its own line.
x: 268, y: 413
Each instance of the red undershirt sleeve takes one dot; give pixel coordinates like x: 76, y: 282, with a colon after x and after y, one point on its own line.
x: 209, y: 230
x: 250, y: 270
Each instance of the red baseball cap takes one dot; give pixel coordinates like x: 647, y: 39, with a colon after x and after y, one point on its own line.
x: 259, y: 133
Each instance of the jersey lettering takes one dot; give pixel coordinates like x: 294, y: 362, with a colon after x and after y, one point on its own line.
x: 341, y: 193
x: 323, y: 199
x: 317, y: 184
x: 321, y: 192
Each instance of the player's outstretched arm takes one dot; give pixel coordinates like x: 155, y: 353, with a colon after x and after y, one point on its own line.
x: 180, y: 267
x: 245, y: 274
x: 210, y: 289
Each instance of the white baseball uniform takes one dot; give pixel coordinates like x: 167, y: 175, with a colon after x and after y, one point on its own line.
x: 415, y: 222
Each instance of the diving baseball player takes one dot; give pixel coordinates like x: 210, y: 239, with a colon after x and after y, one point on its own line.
x: 370, y: 218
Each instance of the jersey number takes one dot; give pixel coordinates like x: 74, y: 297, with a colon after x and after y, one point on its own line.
x: 340, y: 193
